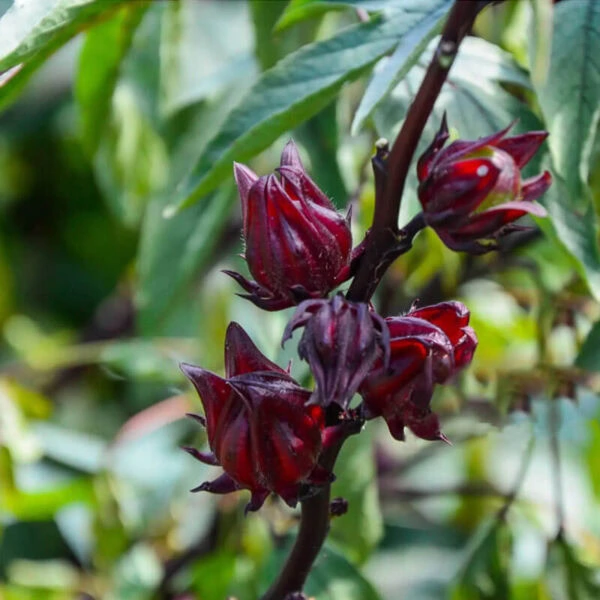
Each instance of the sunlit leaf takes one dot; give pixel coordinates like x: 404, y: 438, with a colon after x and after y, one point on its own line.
x: 99, y: 64
x: 570, y: 578
x: 205, y: 48
x: 16, y: 403
x: 300, y: 10
x: 541, y: 42
x: 132, y: 162
x: 44, y: 504
x: 31, y: 31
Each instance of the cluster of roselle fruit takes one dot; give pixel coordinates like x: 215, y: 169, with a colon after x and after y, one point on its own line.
x: 266, y: 431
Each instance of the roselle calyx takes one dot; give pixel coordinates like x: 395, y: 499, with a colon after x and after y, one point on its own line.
x: 259, y: 426
x: 472, y: 191
x: 297, y: 245
x: 341, y: 342
x: 427, y: 346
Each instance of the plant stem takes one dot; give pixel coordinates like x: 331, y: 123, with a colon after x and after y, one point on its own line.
x: 314, y: 526
x: 382, y: 241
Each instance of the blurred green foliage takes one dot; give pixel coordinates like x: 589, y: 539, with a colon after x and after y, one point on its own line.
x: 119, y: 113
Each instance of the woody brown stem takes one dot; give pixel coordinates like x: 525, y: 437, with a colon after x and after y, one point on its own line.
x: 314, y: 526
x: 384, y: 243
x: 382, y: 240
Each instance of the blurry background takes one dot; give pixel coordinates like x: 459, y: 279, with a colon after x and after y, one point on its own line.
x: 107, y: 107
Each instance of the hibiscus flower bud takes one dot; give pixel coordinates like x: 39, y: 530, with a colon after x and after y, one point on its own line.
x: 341, y: 342
x: 472, y: 192
x: 258, y: 424
x: 297, y: 245
x: 427, y: 346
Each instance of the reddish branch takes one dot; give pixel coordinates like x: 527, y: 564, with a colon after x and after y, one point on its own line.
x: 384, y: 243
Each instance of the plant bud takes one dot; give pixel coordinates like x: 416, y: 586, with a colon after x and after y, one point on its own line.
x: 472, y: 192
x: 341, y: 342
x: 427, y: 346
x: 259, y: 427
x: 297, y: 245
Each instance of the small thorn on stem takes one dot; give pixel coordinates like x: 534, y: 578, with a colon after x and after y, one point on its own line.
x: 446, y: 53
x: 382, y: 150
x: 338, y: 507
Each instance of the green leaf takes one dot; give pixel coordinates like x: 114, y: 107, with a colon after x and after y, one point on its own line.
x: 589, y: 355
x: 267, y: 47
x: 212, y: 574
x: 14, y: 80
x: 136, y: 575
x: 205, y: 47
x: 28, y: 28
x: 16, y: 404
x: 356, y: 482
x: 131, y: 163
x: 43, y: 504
x: 541, y: 41
x: 570, y: 96
x: 319, y: 135
x: 291, y: 92
x: 397, y: 66
x: 80, y: 451
x: 568, y: 577
x: 484, y: 573
x: 300, y: 10
x: 104, y: 48
x: 574, y: 230
x: 475, y: 103
x: 331, y: 578
x: 173, y: 250
x: 31, y: 31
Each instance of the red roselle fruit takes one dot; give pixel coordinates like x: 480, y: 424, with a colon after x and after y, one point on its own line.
x: 297, y: 245
x: 341, y: 342
x: 472, y: 192
x: 427, y: 346
x: 259, y: 428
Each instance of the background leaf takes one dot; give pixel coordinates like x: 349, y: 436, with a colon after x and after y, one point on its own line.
x: 293, y: 91
x: 300, y: 10
x: 99, y: 62
x: 570, y: 579
x: 356, y: 482
x: 31, y: 31
x: 219, y: 38
x: 589, y: 355
x: 28, y: 28
x: 574, y: 230
x: 397, y: 65
x: 331, y: 578
x: 570, y: 96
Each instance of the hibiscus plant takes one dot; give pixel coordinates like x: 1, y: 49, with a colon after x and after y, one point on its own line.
x: 419, y: 277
